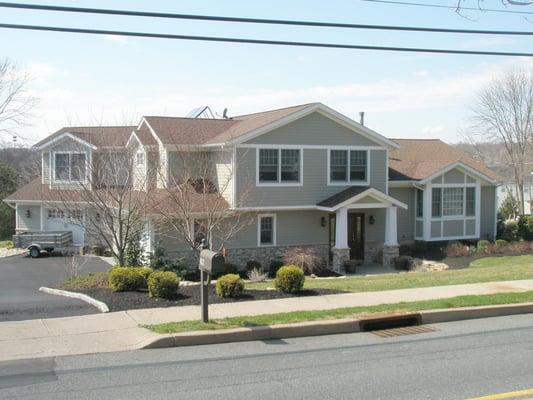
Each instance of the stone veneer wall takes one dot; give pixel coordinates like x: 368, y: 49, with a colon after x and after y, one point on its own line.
x: 240, y: 256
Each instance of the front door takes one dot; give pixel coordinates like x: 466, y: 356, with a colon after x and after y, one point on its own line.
x: 356, y: 235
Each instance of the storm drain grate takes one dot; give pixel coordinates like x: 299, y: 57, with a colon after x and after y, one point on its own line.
x: 407, y: 330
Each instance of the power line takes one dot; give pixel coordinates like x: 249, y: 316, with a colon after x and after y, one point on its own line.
x: 253, y: 20
x: 259, y: 41
x: 409, y: 3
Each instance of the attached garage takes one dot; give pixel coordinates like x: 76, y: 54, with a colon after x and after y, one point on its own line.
x: 59, y: 220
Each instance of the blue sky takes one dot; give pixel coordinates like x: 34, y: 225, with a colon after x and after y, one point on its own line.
x: 84, y: 79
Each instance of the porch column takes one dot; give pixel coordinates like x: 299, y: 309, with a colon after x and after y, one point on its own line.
x: 391, y: 250
x: 391, y: 227
x: 341, y: 229
x: 341, y: 251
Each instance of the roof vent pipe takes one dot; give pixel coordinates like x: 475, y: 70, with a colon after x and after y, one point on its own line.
x: 362, y: 117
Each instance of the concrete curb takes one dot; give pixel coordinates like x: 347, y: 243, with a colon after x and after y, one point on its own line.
x: 80, y: 296
x: 327, y: 327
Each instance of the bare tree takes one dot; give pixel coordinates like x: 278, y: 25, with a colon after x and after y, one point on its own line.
x: 104, y: 194
x: 193, y: 205
x: 503, y: 113
x: 16, y: 103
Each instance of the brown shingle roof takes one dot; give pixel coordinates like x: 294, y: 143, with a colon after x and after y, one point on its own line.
x: 99, y: 136
x: 175, y: 130
x: 146, y: 137
x: 417, y: 159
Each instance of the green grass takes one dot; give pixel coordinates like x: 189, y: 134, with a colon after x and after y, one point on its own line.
x: 301, y: 316
x: 92, y: 280
x: 490, y: 269
x: 6, y: 244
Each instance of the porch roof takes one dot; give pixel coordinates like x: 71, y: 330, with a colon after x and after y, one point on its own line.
x: 353, y: 194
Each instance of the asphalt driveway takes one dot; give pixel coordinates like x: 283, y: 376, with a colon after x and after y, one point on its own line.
x: 20, y: 280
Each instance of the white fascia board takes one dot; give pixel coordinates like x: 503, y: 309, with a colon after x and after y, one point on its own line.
x: 465, y: 169
x: 376, y: 194
x: 134, y: 136
x: 63, y: 136
x: 402, y: 184
x: 152, y: 131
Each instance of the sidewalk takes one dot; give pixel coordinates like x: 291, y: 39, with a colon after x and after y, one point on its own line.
x: 119, y: 331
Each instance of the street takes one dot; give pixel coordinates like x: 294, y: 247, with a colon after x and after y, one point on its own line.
x: 457, y: 360
x: 20, y: 280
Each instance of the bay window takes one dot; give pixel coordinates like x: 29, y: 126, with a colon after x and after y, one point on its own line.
x: 453, y: 202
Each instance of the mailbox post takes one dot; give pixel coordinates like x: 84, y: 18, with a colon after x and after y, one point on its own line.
x: 210, y: 263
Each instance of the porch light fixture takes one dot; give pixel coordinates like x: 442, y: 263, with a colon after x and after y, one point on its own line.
x: 371, y: 220
x: 322, y: 221
x: 28, y: 214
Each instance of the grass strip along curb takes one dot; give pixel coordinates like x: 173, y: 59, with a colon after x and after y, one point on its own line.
x: 342, y: 313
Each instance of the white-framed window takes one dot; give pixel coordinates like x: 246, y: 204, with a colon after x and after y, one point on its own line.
x: 140, y: 158
x: 453, y: 202
x: 279, y: 166
x: 348, y: 166
x: 470, y: 202
x: 266, y: 230
x: 419, y: 203
x: 70, y: 166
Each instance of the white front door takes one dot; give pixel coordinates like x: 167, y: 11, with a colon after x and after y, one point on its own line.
x: 56, y: 220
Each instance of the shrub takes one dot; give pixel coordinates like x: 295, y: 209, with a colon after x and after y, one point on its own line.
x: 124, y: 279
x: 257, y: 275
x: 275, y: 265
x: 134, y: 252
x: 159, y: 261
x: 253, y: 264
x: 457, y: 249
x: 406, y: 263
x: 305, y: 258
x: 501, y: 242
x: 145, y: 272
x: 163, y: 284
x: 509, y: 230
x: 525, y: 227
x: 289, y: 279
x: 229, y: 285
x: 481, y: 244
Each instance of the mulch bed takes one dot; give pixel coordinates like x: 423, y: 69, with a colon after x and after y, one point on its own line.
x: 188, y: 295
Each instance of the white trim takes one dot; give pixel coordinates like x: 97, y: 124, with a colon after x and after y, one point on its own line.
x: 446, y: 238
x: 308, y: 146
x: 387, y: 171
x: 279, y: 183
x: 348, y: 182
x: 151, y: 130
x: 42, y: 217
x: 495, y: 232
x: 133, y: 135
x: 465, y: 169
x: 368, y: 205
x: 385, y: 200
x: 70, y: 181
x: 274, y: 229
x: 278, y: 208
x: 64, y: 135
x: 234, y: 176
x: 326, y: 112
x: 402, y: 184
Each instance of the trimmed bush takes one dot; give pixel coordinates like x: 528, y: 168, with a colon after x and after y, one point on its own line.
x: 482, y: 244
x: 275, y: 265
x: 289, y: 279
x: 229, y: 285
x: 124, y: 279
x: 509, y: 230
x: 253, y: 264
x: 501, y: 242
x: 163, y: 284
x: 145, y: 273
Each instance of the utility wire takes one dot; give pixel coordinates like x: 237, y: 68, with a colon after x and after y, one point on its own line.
x: 258, y: 41
x: 409, y: 3
x: 253, y: 20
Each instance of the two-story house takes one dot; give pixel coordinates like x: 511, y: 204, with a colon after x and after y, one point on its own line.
x: 312, y: 177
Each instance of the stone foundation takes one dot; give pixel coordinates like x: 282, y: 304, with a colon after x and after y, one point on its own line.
x: 340, y: 256
x: 240, y: 256
x: 389, y: 254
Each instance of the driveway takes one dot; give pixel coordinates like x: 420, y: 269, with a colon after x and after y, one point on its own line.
x: 20, y: 280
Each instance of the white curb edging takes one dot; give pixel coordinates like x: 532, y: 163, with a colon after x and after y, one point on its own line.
x: 80, y: 296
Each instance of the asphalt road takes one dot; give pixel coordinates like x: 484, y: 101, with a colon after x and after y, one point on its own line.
x: 457, y: 361
x: 20, y: 280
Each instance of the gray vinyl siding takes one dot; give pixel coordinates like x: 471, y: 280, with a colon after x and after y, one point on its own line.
x: 28, y: 224
x: 313, y: 129
x: 453, y: 228
x: 68, y: 144
x: 314, y: 188
x: 454, y: 176
x: 435, y: 229
x: 406, y: 218
x: 487, y: 212
x: 470, y: 227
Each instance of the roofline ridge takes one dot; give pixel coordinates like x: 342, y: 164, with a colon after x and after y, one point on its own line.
x: 277, y: 109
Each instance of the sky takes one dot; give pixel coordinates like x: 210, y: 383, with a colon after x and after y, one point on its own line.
x: 108, y: 80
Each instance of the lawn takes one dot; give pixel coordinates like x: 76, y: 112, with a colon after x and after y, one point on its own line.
x: 6, y: 244
x: 301, y: 316
x: 490, y: 269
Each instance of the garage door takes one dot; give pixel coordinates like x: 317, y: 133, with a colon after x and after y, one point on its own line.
x: 57, y: 220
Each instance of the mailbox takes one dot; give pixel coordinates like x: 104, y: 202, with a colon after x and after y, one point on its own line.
x: 211, y: 262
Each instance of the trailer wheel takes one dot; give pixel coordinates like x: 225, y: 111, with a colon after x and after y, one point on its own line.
x: 34, y: 252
